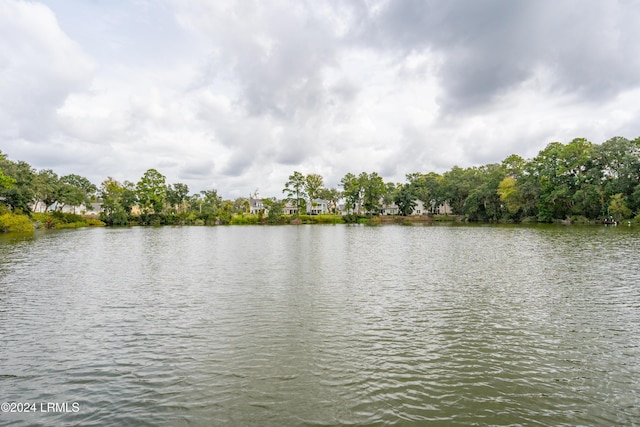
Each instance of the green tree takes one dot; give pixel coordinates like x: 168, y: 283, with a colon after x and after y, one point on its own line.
x: 405, y: 198
x: 6, y: 182
x: 313, y: 183
x: 295, y: 189
x: 483, y: 202
x: 76, y: 190
x: 129, y: 196
x: 177, y: 196
x: 510, y: 194
x: 276, y: 210
x: 111, y: 195
x: 48, y: 188
x: 373, y: 189
x: 226, y: 212
x: 352, y: 192
x: 211, y: 206
x: 241, y: 205
x: 457, y: 184
x: 152, y: 192
x: 514, y: 166
x: 332, y: 195
x: 618, y: 207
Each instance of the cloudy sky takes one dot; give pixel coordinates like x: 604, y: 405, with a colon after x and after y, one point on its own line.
x: 236, y: 95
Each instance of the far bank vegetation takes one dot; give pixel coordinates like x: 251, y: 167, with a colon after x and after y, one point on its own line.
x: 577, y: 182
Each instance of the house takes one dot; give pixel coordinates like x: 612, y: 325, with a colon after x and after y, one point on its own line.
x: 317, y: 207
x: 441, y: 209
x: 418, y: 209
x: 93, y: 208
x: 289, y: 208
x: 257, y: 206
x: 390, y: 209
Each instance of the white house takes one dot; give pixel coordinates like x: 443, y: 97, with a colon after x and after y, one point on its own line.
x: 257, y: 206
x: 289, y: 208
x: 317, y: 207
x: 418, y: 209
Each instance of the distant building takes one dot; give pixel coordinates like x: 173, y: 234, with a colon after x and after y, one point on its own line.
x: 317, y: 207
x: 289, y: 208
x: 418, y: 209
x: 257, y: 206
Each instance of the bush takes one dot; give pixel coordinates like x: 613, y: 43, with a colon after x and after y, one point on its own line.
x: 61, y: 220
x: 66, y: 218
x: 245, y: 219
x: 353, y: 218
x: 579, y: 219
x: 13, y: 223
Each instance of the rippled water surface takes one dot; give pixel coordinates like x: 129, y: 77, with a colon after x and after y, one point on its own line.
x: 323, y: 325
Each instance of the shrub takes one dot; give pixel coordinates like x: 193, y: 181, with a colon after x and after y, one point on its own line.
x: 245, y: 219
x: 353, y: 218
x: 13, y: 223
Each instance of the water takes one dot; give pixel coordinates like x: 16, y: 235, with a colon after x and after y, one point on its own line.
x: 322, y: 325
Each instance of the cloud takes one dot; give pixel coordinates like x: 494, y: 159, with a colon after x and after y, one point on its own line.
x: 240, y: 94
x: 40, y: 66
x: 488, y: 47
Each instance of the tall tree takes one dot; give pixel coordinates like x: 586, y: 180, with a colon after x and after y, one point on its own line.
x: 152, y: 191
x: 405, y: 198
x: 332, y: 195
x: 111, y: 196
x: 177, y: 196
x: 48, y: 188
x: 6, y: 182
x: 352, y: 192
x: 373, y: 188
x: 211, y: 205
x: 77, y: 190
x: 312, y: 185
x: 295, y: 189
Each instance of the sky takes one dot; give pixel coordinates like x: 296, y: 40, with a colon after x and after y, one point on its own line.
x: 236, y: 95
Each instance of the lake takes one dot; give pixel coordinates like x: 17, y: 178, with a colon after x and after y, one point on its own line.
x: 321, y: 325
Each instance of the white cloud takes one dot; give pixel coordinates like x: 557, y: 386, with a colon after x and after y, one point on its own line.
x: 40, y: 66
x: 240, y: 94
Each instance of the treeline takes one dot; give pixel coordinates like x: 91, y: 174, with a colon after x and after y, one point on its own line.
x: 578, y: 181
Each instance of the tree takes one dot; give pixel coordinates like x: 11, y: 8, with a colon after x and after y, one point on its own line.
x: 405, y: 199
x: 21, y: 195
x: 6, y: 182
x: 483, y: 202
x: 241, y: 205
x: 514, y: 165
x: 510, y: 194
x: 276, y: 210
x: 352, y: 191
x: 152, y: 192
x: 312, y: 185
x: 210, y: 205
x: 48, y: 188
x: 332, y: 195
x: 113, y: 211
x: 76, y: 190
x: 295, y: 189
x: 618, y: 208
x: 457, y: 184
x: 226, y: 212
x: 177, y: 196
x: 129, y: 196
x: 373, y: 188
